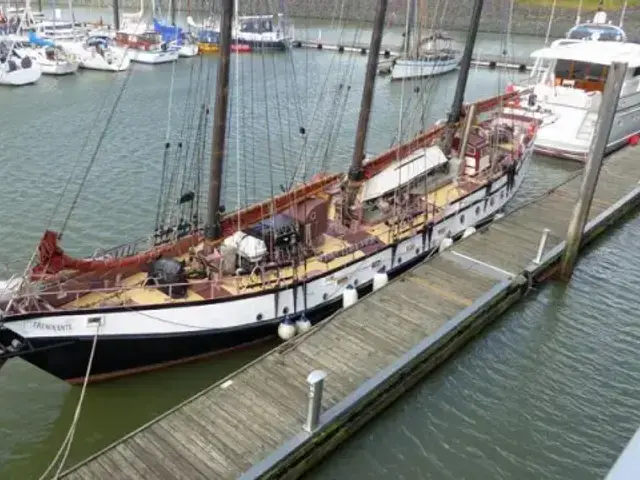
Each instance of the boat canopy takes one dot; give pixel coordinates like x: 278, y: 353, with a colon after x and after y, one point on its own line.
x: 169, y: 33
x: 40, y: 42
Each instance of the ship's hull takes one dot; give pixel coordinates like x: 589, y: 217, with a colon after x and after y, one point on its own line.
x: 138, y: 338
x: 404, y: 69
x: 264, y: 44
x: 567, y: 131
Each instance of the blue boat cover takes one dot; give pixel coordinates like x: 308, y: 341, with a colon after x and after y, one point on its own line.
x: 40, y: 42
x: 169, y: 33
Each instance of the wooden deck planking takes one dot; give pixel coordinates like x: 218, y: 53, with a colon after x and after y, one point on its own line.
x: 232, y: 426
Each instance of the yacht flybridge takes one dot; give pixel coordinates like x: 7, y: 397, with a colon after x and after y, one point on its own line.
x: 568, y: 80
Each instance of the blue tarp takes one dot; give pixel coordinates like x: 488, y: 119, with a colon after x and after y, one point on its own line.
x: 169, y: 33
x: 40, y: 42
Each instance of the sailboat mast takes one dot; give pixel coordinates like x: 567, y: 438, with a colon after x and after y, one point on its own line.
x: 355, y: 171
x: 408, y: 29
x: 212, y: 229
x: 463, y: 75
x: 116, y: 15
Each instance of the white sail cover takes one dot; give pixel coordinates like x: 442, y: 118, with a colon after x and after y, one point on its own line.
x: 404, y: 171
x: 249, y: 247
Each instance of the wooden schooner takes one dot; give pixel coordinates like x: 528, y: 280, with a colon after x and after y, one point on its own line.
x: 277, y: 266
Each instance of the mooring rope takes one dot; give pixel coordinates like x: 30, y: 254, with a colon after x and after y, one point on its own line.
x: 66, y: 444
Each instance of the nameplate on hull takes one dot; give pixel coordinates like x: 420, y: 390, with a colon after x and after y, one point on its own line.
x: 49, y: 327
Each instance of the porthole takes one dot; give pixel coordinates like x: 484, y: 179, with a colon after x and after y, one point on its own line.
x: 356, y: 282
x: 399, y: 259
x: 285, y: 310
x: 312, y: 216
x: 325, y: 296
x: 462, y: 219
x: 259, y: 317
x: 417, y: 251
x: 382, y: 269
x: 492, y: 201
x: 501, y: 193
x: 477, y: 210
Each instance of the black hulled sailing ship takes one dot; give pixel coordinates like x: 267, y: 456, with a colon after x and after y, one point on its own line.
x: 277, y: 266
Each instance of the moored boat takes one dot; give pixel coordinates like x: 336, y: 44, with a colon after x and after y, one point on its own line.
x: 147, y: 47
x: 17, y: 68
x: 567, y: 83
x: 201, y: 289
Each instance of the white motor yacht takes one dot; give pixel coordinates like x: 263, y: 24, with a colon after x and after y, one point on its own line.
x: 568, y: 80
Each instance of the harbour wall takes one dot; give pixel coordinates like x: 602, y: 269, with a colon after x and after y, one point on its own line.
x: 527, y: 19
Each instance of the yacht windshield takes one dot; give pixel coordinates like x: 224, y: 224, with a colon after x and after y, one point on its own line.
x: 602, y: 33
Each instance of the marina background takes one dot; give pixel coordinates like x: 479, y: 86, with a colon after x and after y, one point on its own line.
x: 530, y: 17
x: 552, y: 384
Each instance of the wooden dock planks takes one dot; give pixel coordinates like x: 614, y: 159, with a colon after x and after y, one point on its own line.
x: 223, y: 431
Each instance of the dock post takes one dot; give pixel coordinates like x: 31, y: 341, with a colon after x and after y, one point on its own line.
x: 316, y: 383
x: 541, y: 245
x: 610, y: 96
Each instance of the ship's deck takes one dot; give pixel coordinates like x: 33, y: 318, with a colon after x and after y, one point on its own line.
x: 132, y: 290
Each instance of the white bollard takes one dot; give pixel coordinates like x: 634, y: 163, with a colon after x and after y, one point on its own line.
x: 316, y: 383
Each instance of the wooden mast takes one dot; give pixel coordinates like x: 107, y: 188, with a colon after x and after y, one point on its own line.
x: 356, y: 172
x: 465, y: 66
x: 212, y: 229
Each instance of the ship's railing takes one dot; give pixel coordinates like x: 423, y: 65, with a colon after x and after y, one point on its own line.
x: 116, y: 295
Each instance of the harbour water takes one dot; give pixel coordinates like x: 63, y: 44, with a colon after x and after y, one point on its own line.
x: 43, y: 132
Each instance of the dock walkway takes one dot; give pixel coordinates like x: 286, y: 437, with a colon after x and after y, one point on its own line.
x: 250, y: 425
x: 389, y: 53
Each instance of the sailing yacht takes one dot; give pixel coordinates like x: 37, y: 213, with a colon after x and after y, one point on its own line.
x: 568, y: 80
x: 275, y: 267
x: 53, y: 59
x: 141, y: 42
x: 98, y: 52
x: 177, y: 39
x: 17, y: 68
x: 424, y: 56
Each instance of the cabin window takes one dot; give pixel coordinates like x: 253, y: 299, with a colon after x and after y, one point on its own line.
x: 636, y: 71
x: 492, y: 201
x: 325, y: 296
x: 477, y: 211
x: 259, y: 317
x: 462, y: 219
x: 399, y: 260
x: 585, y: 76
